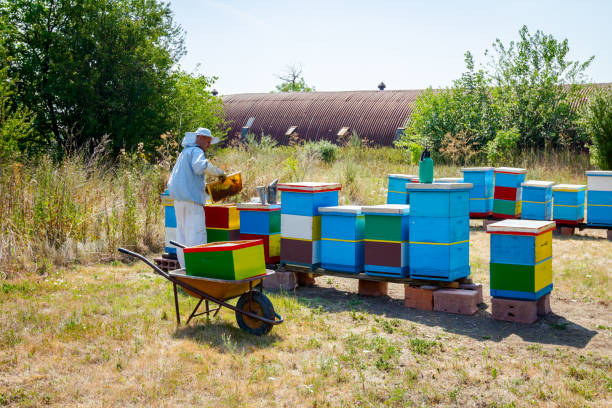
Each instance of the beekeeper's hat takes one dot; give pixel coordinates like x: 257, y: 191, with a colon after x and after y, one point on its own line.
x: 206, y: 132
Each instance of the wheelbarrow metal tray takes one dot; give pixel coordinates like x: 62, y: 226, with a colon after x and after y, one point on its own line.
x: 229, y: 260
x: 219, y: 288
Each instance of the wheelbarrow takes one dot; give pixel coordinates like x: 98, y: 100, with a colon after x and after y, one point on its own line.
x: 254, y: 311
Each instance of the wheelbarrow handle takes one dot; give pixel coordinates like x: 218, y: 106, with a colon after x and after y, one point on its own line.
x: 145, y: 260
x: 176, y: 244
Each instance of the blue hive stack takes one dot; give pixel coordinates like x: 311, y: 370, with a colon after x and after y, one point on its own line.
x: 396, y: 190
x: 169, y: 221
x: 537, y: 200
x: 599, y: 199
x: 481, y: 195
x: 342, y: 233
x: 521, y: 259
x: 262, y: 221
x: 507, y: 192
x: 568, y: 205
x: 439, y: 231
x: 301, y: 221
x: 386, y: 240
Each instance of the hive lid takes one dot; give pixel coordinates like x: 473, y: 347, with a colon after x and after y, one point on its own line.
x: 569, y: 187
x: 537, y: 183
x: 224, y: 246
x: 309, y: 187
x: 258, y: 206
x: 510, y: 170
x: 438, y: 186
x: 387, y: 209
x: 448, y: 180
x: 347, y: 209
x: 599, y: 173
x: 522, y: 227
x: 477, y: 168
x: 402, y: 176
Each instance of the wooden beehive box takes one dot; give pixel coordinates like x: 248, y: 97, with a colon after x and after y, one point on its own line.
x: 226, y: 260
x: 599, y: 197
x: 537, y: 200
x: 342, y: 235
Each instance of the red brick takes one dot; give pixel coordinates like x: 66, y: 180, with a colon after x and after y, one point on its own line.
x: 473, y: 286
x: 565, y: 231
x: 544, y: 305
x: 372, y: 288
x: 280, y: 280
x: 419, y: 297
x: 521, y: 311
x: 458, y: 301
x: 610, y: 235
x: 305, y: 279
x: 486, y: 222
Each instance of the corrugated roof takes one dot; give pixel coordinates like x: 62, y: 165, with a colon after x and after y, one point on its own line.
x: 374, y: 115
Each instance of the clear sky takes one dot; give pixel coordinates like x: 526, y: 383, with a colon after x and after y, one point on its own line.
x: 353, y: 45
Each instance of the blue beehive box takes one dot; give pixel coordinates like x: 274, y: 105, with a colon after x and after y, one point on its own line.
x: 599, y: 198
x: 537, y: 200
x: 342, y: 234
x: 568, y: 204
x: 509, y: 177
x: 439, y: 231
x: 396, y: 189
x: 169, y: 221
x: 305, y: 198
x: 386, y: 249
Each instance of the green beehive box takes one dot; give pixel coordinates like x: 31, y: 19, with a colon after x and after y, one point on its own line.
x: 232, y: 260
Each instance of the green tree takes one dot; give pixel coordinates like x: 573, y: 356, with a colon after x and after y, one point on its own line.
x: 293, y: 81
x: 535, y: 85
x: 597, y: 122
x: 87, y: 68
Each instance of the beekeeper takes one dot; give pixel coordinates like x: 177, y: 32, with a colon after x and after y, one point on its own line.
x: 187, y: 186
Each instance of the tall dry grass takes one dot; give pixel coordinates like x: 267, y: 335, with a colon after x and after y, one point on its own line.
x: 81, y: 210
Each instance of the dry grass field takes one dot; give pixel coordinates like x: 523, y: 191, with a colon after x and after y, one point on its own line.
x: 105, y: 335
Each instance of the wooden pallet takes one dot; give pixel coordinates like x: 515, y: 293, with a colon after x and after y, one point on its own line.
x: 363, y: 276
x: 167, y: 265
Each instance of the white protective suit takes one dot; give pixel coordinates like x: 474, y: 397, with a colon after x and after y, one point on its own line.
x: 187, y: 185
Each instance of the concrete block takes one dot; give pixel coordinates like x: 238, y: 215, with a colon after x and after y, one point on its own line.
x: 473, y: 286
x: 565, y: 231
x: 458, y: 301
x: 372, y: 288
x: 543, y: 304
x: 305, y: 279
x: 419, y: 297
x: 280, y: 280
x: 521, y: 311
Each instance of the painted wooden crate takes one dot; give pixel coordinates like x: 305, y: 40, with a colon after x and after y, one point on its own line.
x: 169, y: 221
x: 224, y: 216
x: 537, y: 200
x: 271, y: 243
x: 222, y: 234
x: 507, y: 193
x: 226, y: 260
x: 521, y: 259
x: 481, y: 195
x: 342, y: 235
x: 386, y: 249
x: 259, y: 219
x: 568, y: 203
x: 305, y: 198
x: 599, y: 197
x: 439, y: 240
x: 396, y: 188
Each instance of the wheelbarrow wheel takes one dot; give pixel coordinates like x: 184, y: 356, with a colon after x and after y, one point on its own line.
x: 261, y: 306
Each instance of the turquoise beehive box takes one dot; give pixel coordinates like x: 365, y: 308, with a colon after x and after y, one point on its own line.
x: 169, y: 221
x: 342, y: 234
x: 439, y: 232
x: 568, y: 203
x: 521, y: 259
x: 599, y: 198
x: 396, y: 188
x: 537, y: 200
x: 481, y: 195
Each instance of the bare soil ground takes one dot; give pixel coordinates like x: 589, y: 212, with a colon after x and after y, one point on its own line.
x: 106, y: 336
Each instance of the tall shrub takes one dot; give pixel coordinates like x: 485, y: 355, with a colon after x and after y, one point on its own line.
x: 597, y: 122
